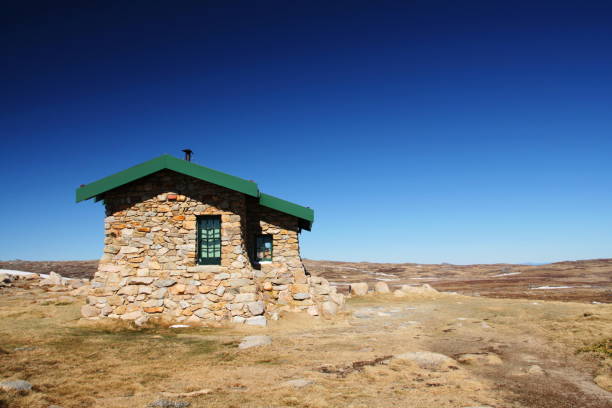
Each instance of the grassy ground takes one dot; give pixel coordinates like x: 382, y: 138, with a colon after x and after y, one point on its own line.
x: 73, y: 364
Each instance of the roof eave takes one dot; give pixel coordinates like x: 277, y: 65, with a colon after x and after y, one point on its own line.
x: 305, y: 214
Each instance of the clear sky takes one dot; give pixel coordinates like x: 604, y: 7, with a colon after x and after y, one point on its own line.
x: 419, y: 131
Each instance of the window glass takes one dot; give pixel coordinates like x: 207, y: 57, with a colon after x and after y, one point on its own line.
x: 263, y: 248
x: 209, y: 240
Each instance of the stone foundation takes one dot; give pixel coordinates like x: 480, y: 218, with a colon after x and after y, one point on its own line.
x: 149, y: 262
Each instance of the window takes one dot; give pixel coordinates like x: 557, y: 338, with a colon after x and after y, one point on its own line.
x: 209, y: 240
x: 263, y: 248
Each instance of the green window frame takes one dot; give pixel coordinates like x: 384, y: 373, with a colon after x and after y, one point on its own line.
x: 263, y: 248
x: 209, y: 240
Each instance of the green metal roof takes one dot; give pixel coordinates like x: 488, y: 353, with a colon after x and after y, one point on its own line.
x: 303, y: 213
x: 95, y: 189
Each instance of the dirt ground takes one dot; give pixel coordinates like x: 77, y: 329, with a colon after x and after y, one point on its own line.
x: 576, y: 281
x: 496, y: 345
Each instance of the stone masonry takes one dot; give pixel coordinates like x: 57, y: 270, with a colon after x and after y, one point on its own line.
x: 149, y: 264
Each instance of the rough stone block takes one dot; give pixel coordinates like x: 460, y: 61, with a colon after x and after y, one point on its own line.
x: 256, y: 308
x: 89, y: 311
x: 256, y: 321
x: 245, y: 297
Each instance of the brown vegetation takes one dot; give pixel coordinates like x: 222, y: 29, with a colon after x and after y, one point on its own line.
x: 496, y: 344
x: 578, y: 281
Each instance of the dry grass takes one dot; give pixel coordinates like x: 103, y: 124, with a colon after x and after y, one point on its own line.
x: 81, y: 365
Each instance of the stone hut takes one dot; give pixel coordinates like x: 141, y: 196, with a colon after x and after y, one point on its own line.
x: 186, y: 243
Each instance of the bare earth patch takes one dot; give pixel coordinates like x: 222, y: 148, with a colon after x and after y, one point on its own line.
x: 501, y: 353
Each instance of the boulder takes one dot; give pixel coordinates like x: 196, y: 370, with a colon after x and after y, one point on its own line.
x: 381, y: 287
x: 418, y: 290
x: 254, y: 341
x: 54, y: 279
x: 399, y: 293
x: 359, y: 289
x: 5, y: 278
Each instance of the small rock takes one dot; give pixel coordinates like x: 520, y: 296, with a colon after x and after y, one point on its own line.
x: 164, y: 403
x: 312, y: 310
x: 256, y: 321
x: 254, y: 341
x: 426, y: 359
x: 480, y: 406
x: 27, y: 348
x: 484, y: 358
x: 535, y: 370
x: 297, y: 383
x: 604, y: 381
x: 203, y: 391
x: 16, y: 385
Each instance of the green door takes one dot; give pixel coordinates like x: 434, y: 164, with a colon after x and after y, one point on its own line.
x: 209, y: 240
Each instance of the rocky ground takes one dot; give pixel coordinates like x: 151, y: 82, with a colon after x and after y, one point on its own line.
x: 414, y: 348
x: 577, y: 281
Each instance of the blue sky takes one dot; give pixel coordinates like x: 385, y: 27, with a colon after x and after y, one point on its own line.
x: 419, y: 131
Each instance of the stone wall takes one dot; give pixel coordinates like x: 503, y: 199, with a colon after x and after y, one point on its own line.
x: 149, y: 262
